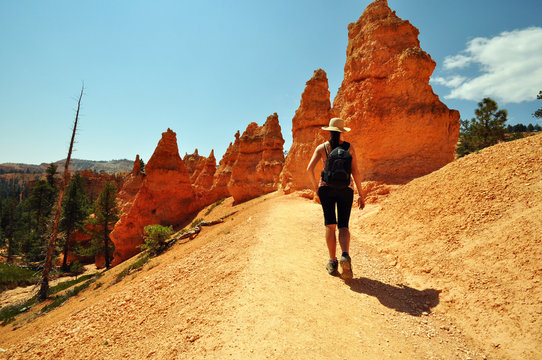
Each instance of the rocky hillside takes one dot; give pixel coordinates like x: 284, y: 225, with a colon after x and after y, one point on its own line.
x: 112, y: 166
x: 473, y: 231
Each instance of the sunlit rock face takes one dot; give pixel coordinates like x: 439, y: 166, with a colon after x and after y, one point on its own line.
x: 223, y: 172
x: 166, y: 197
x: 400, y: 128
x: 259, y: 161
x: 307, y: 133
x: 130, y: 188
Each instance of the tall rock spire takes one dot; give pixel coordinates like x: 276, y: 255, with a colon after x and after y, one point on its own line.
x: 400, y: 128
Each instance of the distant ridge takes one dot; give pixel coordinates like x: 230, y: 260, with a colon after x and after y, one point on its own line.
x: 111, y: 166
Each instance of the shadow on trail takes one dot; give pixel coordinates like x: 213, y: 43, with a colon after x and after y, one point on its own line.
x: 401, y: 297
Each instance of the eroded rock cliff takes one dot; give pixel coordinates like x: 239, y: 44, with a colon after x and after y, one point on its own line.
x: 312, y: 114
x: 400, y: 128
x: 166, y: 197
x: 223, y: 172
x: 131, y: 186
x: 259, y: 162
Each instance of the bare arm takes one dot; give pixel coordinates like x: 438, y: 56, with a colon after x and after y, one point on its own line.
x: 312, y: 164
x: 357, y: 178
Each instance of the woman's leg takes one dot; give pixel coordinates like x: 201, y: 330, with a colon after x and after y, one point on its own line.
x: 344, y: 239
x: 331, y: 241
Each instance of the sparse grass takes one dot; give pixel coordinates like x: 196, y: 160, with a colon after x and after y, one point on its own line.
x: 196, y: 222
x: 61, y: 299
x: 12, y: 276
x: 66, y: 284
x: 8, y: 313
x: 215, y: 204
x: 136, y: 265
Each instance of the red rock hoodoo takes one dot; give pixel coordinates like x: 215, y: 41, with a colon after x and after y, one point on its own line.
x: 312, y: 114
x: 166, y: 197
x: 130, y: 188
x: 194, y: 163
x: 400, y: 129
x: 259, y: 162
x: 204, y: 180
x: 223, y: 172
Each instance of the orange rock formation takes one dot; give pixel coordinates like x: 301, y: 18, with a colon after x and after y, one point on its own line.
x: 94, y: 182
x: 223, y: 173
x: 312, y: 114
x: 194, y: 163
x: 259, y: 162
x: 400, y: 129
x: 204, y: 179
x: 203, y: 182
x: 166, y: 197
x: 131, y: 186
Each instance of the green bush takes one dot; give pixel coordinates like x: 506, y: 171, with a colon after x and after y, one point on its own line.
x: 156, y: 238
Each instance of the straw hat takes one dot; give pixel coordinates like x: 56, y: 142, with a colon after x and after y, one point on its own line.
x: 336, y: 124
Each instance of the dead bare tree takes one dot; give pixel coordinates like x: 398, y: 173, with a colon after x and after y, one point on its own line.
x: 44, y: 283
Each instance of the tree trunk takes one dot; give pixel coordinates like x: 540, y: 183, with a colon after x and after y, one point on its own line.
x: 44, y: 283
x: 66, y: 248
x: 106, y: 246
x: 11, y: 231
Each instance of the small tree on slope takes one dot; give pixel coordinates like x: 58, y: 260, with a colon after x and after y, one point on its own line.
x: 75, y: 210
x: 486, y: 129
x: 107, y: 214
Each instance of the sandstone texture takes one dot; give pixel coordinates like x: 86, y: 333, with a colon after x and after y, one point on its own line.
x: 194, y: 163
x: 223, y: 172
x: 203, y: 182
x: 400, y: 128
x: 131, y: 186
x: 166, y: 197
x: 312, y: 114
x: 259, y: 162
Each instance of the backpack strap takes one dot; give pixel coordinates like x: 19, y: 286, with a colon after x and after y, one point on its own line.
x: 325, y: 148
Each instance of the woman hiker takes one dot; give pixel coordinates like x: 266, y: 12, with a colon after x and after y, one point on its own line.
x: 336, y: 188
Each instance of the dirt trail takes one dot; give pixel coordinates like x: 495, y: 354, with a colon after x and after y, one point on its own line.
x: 252, y: 287
x: 287, y: 306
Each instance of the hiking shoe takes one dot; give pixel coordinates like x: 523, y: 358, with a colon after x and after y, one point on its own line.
x: 346, y: 265
x: 332, y: 267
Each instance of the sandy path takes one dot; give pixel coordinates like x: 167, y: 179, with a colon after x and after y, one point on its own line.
x: 287, y: 306
x: 252, y: 287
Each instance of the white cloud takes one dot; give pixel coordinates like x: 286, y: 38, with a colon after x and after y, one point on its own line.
x: 457, y: 61
x: 509, y: 64
x: 451, y: 81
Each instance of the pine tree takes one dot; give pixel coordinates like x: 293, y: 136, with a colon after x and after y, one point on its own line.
x: 51, y: 172
x: 106, y: 215
x: 41, y: 201
x: 44, y: 283
x: 538, y: 112
x: 75, y: 209
x: 486, y: 129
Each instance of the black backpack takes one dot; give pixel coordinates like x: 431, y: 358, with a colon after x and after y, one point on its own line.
x: 338, y: 166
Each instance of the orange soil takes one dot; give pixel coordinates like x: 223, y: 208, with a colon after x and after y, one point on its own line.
x: 446, y: 267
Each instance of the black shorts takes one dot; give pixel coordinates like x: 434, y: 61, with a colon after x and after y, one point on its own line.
x: 343, y: 198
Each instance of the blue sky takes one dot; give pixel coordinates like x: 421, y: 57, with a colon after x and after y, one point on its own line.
x: 206, y: 69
